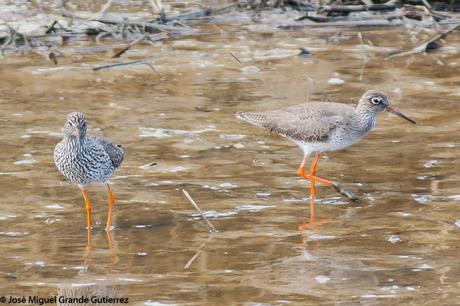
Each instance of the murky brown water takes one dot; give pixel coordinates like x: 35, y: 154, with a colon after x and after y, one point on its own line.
x: 399, y: 245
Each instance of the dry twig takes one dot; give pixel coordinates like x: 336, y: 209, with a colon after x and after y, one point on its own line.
x: 129, y: 46
x: 425, y: 46
x: 189, y: 198
x: 131, y: 63
x: 357, y: 8
x: 345, y: 191
x: 236, y: 58
x: 146, y: 26
x: 199, y: 13
x: 104, y: 8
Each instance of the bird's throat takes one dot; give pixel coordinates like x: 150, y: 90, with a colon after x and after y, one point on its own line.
x: 365, y: 119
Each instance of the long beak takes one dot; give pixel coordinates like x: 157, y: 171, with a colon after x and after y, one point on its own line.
x: 398, y: 113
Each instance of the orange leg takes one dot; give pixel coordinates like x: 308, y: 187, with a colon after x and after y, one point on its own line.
x: 338, y: 187
x: 88, y: 213
x: 301, y: 171
x: 111, y: 201
x: 313, y: 179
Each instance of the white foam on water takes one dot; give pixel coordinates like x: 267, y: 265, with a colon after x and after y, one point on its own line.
x: 322, y: 279
x: 393, y: 239
x: 54, y: 206
x: 25, y: 162
x: 164, y: 133
x: 336, y: 81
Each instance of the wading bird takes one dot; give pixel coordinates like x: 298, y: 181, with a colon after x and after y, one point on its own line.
x: 85, y: 160
x: 323, y: 126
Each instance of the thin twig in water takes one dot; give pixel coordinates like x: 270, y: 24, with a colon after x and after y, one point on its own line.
x: 104, y: 8
x: 129, y: 46
x: 348, y: 23
x: 357, y: 8
x: 189, y: 198
x: 146, y: 26
x: 345, y: 191
x: 236, y: 58
x: 51, y: 27
x: 98, y: 14
x: 200, y: 13
x: 156, y: 5
x: 427, y: 44
x: 132, y: 63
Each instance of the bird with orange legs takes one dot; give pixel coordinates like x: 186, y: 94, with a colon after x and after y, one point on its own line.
x: 323, y: 126
x: 85, y: 160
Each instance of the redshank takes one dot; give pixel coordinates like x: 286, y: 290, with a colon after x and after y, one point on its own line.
x: 323, y: 126
x: 84, y: 160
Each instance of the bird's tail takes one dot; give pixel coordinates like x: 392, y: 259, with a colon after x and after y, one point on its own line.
x: 252, y: 118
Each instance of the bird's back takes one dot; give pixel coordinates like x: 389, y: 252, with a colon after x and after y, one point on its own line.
x: 308, y: 122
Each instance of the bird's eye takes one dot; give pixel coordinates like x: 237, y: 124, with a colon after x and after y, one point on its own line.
x: 376, y: 100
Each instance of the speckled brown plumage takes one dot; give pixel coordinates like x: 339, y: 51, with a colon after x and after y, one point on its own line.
x: 323, y: 126
x: 84, y: 159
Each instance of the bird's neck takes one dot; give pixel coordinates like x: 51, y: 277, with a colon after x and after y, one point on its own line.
x: 365, y: 118
x: 73, y: 143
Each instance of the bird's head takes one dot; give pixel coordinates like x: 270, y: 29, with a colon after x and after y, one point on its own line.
x: 75, y: 125
x: 377, y: 101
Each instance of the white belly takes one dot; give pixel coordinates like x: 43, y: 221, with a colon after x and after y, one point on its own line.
x: 334, y: 144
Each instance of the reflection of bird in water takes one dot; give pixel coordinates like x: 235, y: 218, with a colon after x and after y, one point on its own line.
x: 97, y: 294
x: 84, y: 160
x: 323, y: 126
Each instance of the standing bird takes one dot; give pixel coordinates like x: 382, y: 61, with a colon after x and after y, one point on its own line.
x: 323, y: 126
x: 84, y: 160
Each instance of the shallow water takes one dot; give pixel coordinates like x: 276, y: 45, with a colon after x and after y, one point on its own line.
x: 399, y: 245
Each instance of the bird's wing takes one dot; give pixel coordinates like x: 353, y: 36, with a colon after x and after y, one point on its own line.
x: 115, y: 152
x: 305, y: 129
x: 298, y: 123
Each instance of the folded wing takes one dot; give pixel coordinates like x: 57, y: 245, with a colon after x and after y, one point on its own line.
x: 295, y: 123
x: 115, y: 152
